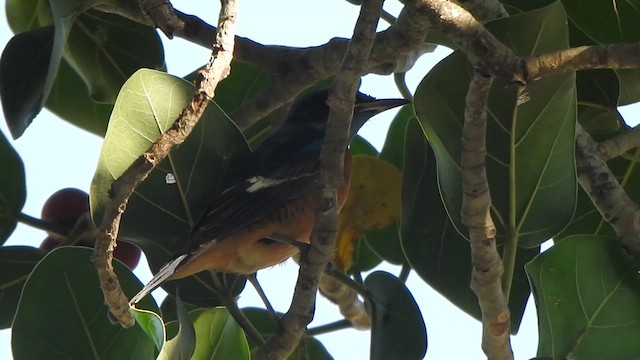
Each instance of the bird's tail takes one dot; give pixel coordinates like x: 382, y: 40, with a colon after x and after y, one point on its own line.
x: 165, y: 273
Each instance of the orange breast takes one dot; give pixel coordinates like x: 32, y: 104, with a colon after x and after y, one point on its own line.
x: 250, y: 250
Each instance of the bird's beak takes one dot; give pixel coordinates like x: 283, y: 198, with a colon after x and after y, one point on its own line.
x: 363, y: 111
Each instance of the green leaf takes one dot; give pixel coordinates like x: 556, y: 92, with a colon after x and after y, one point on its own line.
x: 151, y: 324
x: 432, y: 246
x: 530, y: 133
x: 63, y: 292
x: 25, y: 15
x: 605, y: 21
x: 598, y: 87
x: 361, y: 146
x: 629, y: 86
x: 106, y: 49
x: 12, y: 188
x: 218, y: 336
x: 364, y: 258
x: 398, y: 330
x: 181, y: 346
x: 70, y: 101
x: 23, y: 72
x: 587, y: 294
x: 262, y: 320
x: 393, y: 149
x: 165, y: 207
x: 16, y: 263
x: 599, y: 121
x: 386, y: 243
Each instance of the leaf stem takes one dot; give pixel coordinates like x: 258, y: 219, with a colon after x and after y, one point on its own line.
x: 232, y: 307
x: 509, y: 254
x: 346, y: 280
x: 404, y: 272
x: 330, y: 327
x: 42, y: 225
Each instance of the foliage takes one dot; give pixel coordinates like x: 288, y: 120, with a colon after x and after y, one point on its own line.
x: 105, y: 74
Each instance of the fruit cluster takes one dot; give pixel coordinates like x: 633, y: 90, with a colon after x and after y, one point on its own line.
x: 64, y: 208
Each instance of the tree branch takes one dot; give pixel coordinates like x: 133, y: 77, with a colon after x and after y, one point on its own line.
x: 486, y: 277
x: 606, y: 193
x: 616, y: 56
x: 314, y: 260
x: 122, y: 188
x: 620, y: 144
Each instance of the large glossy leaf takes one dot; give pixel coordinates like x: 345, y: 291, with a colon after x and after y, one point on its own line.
x: 606, y: 21
x: 530, y: 133
x: 151, y: 324
x: 25, y: 15
x: 182, y: 345
x: 106, y: 49
x: 16, y: 263
x: 432, y: 246
x: 398, y: 330
x: 103, y: 49
x: 218, y: 336
x: 70, y: 100
x: 262, y: 320
x: 12, y: 188
x: 23, y: 72
x: 587, y: 293
x: 68, y: 97
x: 63, y: 292
x: 628, y: 79
x: 386, y: 242
x: 163, y: 210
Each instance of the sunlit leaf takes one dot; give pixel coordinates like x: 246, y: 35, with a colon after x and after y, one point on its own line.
x: 373, y: 203
x: 163, y: 210
x: 63, y: 292
x: 587, y: 293
x: 151, y: 324
x: 218, y: 336
x: 181, y: 346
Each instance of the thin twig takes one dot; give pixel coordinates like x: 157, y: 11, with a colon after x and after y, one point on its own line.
x: 122, y: 188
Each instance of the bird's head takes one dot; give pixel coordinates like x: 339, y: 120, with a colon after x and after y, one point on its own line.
x: 312, y: 111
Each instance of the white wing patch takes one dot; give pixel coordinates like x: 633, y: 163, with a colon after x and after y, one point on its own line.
x: 165, y: 272
x: 260, y: 182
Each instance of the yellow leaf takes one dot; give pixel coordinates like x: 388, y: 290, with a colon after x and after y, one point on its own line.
x: 373, y: 203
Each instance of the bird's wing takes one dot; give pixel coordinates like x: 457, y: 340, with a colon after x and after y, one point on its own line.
x: 239, y: 206
x: 253, y: 199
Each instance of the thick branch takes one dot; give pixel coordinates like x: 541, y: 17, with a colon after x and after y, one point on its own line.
x: 620, y: 144
x: 617, y: 56
x: 315, y: 259
x: 483, y: 50
x: 606, y: 193
x: 476, y: 202
x: 217, y: 69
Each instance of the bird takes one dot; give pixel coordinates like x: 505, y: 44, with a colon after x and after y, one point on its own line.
x: 258, y: 220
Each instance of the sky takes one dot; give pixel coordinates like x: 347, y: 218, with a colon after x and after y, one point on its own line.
x: 52, y: 162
